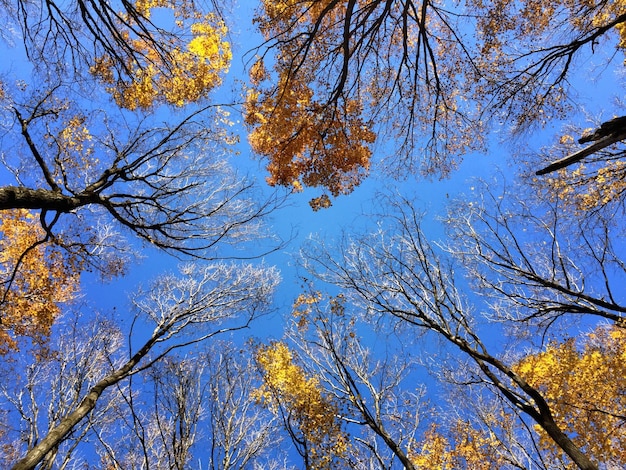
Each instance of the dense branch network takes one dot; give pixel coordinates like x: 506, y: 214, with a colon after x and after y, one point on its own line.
x: 395, y: 272
x: 347, y: 74
x: 167, y: 184
x: 190, y: 309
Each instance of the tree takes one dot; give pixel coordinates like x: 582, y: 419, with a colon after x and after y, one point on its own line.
x: 427, y: 76
x: 157, y: 423
x: 573, y: 375
x: 140, y: 49
x: 395, y: 272
x: 180, y: 311
x: 389, y: 422
x: 584, y: 381
x: 592, y: 183
x: 388, y: 418
x: 95, y: 170
x: 147, y: 176
x: 381, y: 415
x: 537, y: 262
x: 466, y: 447
x: 153, y: 180
x: 169, y: 72
x: 196, y: 408
x: 184, y: 410
x: 37, y: 278
x: 95, y: 182
x: 307, y: 413
x: 608, y: 133
x: 242, y: 433
x: 38, y: 391
x: 112, y: 133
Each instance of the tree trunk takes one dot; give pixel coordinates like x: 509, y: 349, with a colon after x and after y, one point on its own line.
x: 34, y: 456
x: 15, y: 197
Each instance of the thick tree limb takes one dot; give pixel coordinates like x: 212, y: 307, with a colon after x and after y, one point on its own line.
x: 599, y: 144
x: 17, y: 197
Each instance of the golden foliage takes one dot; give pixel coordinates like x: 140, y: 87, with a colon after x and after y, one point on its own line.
x: 467, y: 447
x: 35, y: 279
x: 585, y: 384
x: 432, y: 453
x: 310, y: 411
x: 190, y: 70
x: 307, y: 143
x: 585, y: 188
x: 344, y: 73
x: 313, y: 116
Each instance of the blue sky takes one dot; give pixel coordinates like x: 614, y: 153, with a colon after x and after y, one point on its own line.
x: 347, y: 212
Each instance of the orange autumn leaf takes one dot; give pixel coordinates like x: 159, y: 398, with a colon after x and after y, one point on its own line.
x: 36, y: 278
x: 429, y: 80
x: 307, y: 144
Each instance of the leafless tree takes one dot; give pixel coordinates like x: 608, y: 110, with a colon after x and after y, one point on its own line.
x: 395, y: 272
x: 169, y: 184
x: 180, y: 312
x: 201, y: 402
x: 53, y: 385
x: 381, y: 414
x: 241, y: 433
x: 156, y: 425
x: 538, y: 261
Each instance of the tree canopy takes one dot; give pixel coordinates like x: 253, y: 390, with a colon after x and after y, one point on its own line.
x: 488, y: 335
x: 430, y: 78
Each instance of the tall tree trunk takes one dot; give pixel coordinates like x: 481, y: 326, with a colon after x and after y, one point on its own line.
x: 56, y: 436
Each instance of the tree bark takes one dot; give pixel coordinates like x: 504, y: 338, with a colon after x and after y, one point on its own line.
x: 541, y: 413
x: 577, y: 156
x: 16, y: 197
x: 35, y: 455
